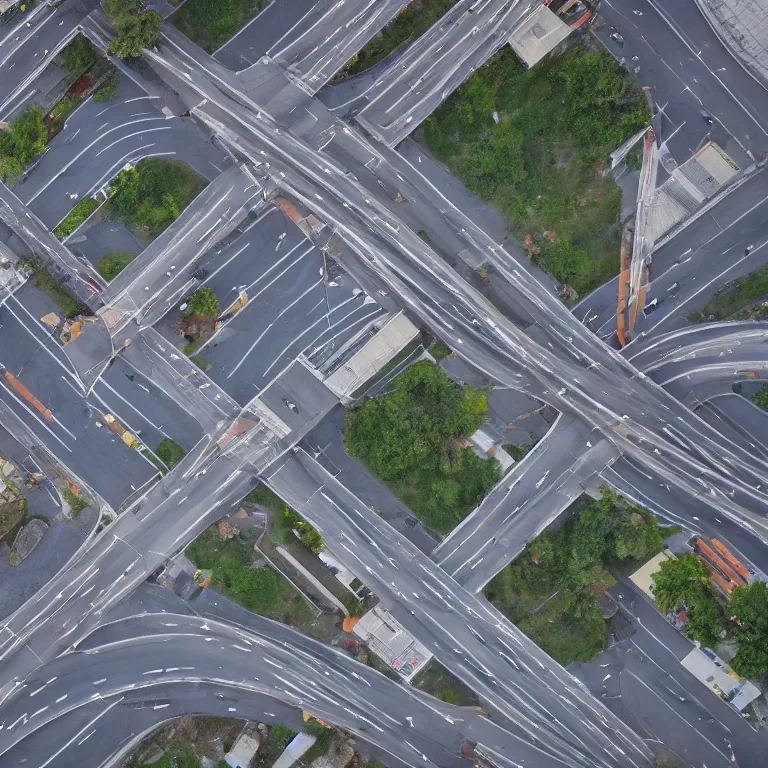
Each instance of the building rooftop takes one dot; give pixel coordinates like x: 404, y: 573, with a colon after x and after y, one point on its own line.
x: 537, y: 35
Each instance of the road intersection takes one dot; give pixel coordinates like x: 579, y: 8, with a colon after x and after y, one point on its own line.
x: 608, y: 407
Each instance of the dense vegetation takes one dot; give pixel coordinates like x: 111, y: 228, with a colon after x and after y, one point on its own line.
x: 24, y: 141
x: 414, y: 21
x: 261, y: 590
x: 136, y: 28
x: 570, y: 566
x: 170, y: 452
x: 412, y: 439
x: 541, y: 165
x: 686, y: 582
x: 760, y: 398
x: 737, y: 300
x: 211, y: 24
x: 152, y: 195
x: 76, y: 217
x: 203, y: 303
x: 114, y: 263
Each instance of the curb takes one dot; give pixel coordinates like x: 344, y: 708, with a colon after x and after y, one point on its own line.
x: 760, y: 74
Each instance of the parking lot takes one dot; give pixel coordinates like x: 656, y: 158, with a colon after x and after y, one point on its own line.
x: 298, y: 300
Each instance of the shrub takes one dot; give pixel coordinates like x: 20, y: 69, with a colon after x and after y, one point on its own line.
x: 170, y: 452
x: 136, y: 28
x: 78, y: 503
x: 24, y: 141
x: 78, y: 55
x: 204, y: 303
x: 114, y: 263
x: 153, y: 193
x: 76, y: 217
x: 105, y: 93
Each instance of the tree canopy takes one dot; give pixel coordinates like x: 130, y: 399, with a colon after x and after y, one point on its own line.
x: 136, y: 28
x: 114, y: 263
x: 570, y: 564
x: 204, y: 303
x: 411, y: 438
x: 25, y: 140
x: 748, y: 608
x: 152, y: 194
x: 687, y: 582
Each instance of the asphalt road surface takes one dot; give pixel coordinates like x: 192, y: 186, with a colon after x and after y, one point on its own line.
x: 683, y: 59
x: 269, y: 668
x: 100, y: 138
x: 76, y: 430
x: 417, y: 82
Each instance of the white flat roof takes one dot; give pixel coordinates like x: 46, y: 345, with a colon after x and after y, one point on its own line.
x: 537, y: 35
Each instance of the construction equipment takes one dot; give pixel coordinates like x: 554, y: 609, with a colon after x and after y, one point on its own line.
x: 129, y: 439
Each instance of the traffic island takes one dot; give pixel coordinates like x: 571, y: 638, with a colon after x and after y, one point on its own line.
x: 27, y: 539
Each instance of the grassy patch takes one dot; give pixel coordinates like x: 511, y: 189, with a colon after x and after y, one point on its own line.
x: 75, y: 218
x: 413, y: 438
x: 439, y: 351
x: 551, y: 590
x: 567, y: 628
x: 265, y: 496
x: 541, y: 165
x: 439, y: 682
x: 46, y: 282
x: 211, y: 24
x: 278, y: 739
x: 261, y: 590
x: 152, y: 195
x: 170, y: 452
x: 517, y: 452
x: 201, y: 363
x: 737, y: 300
x: 78, y: 503
x: 191, y: 347
x: 416, y: 19
x: 114, y: 263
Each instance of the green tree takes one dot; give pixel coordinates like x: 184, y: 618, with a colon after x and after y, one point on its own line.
x: 203, y: 303
x: 27, y: 136
x: 125, y: 194
x: 679, y: 580
x: 135, y: 27
x: 170, y: 452
x: 760, y: 398
x: 78, y: 55
x: 686, y: 581
x: 413, y: 438
x: 11, y: 170
x: 748, y: 608
x: 114, y: 263
x: 565, y: 261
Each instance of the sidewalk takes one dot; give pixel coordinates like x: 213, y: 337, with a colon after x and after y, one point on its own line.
x: 742, y: 25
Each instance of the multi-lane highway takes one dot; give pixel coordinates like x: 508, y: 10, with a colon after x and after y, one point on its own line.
x: 348, y: 186
x: 417, y: 82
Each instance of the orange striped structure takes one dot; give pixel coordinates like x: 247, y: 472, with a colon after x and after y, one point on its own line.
x: 726, y: 586
x: 736, y: 564
x: 721, y: 564
x: 28, y: 396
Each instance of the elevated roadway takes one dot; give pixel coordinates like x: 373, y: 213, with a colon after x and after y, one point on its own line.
x: 160, y: 662
x: 433, y: 66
